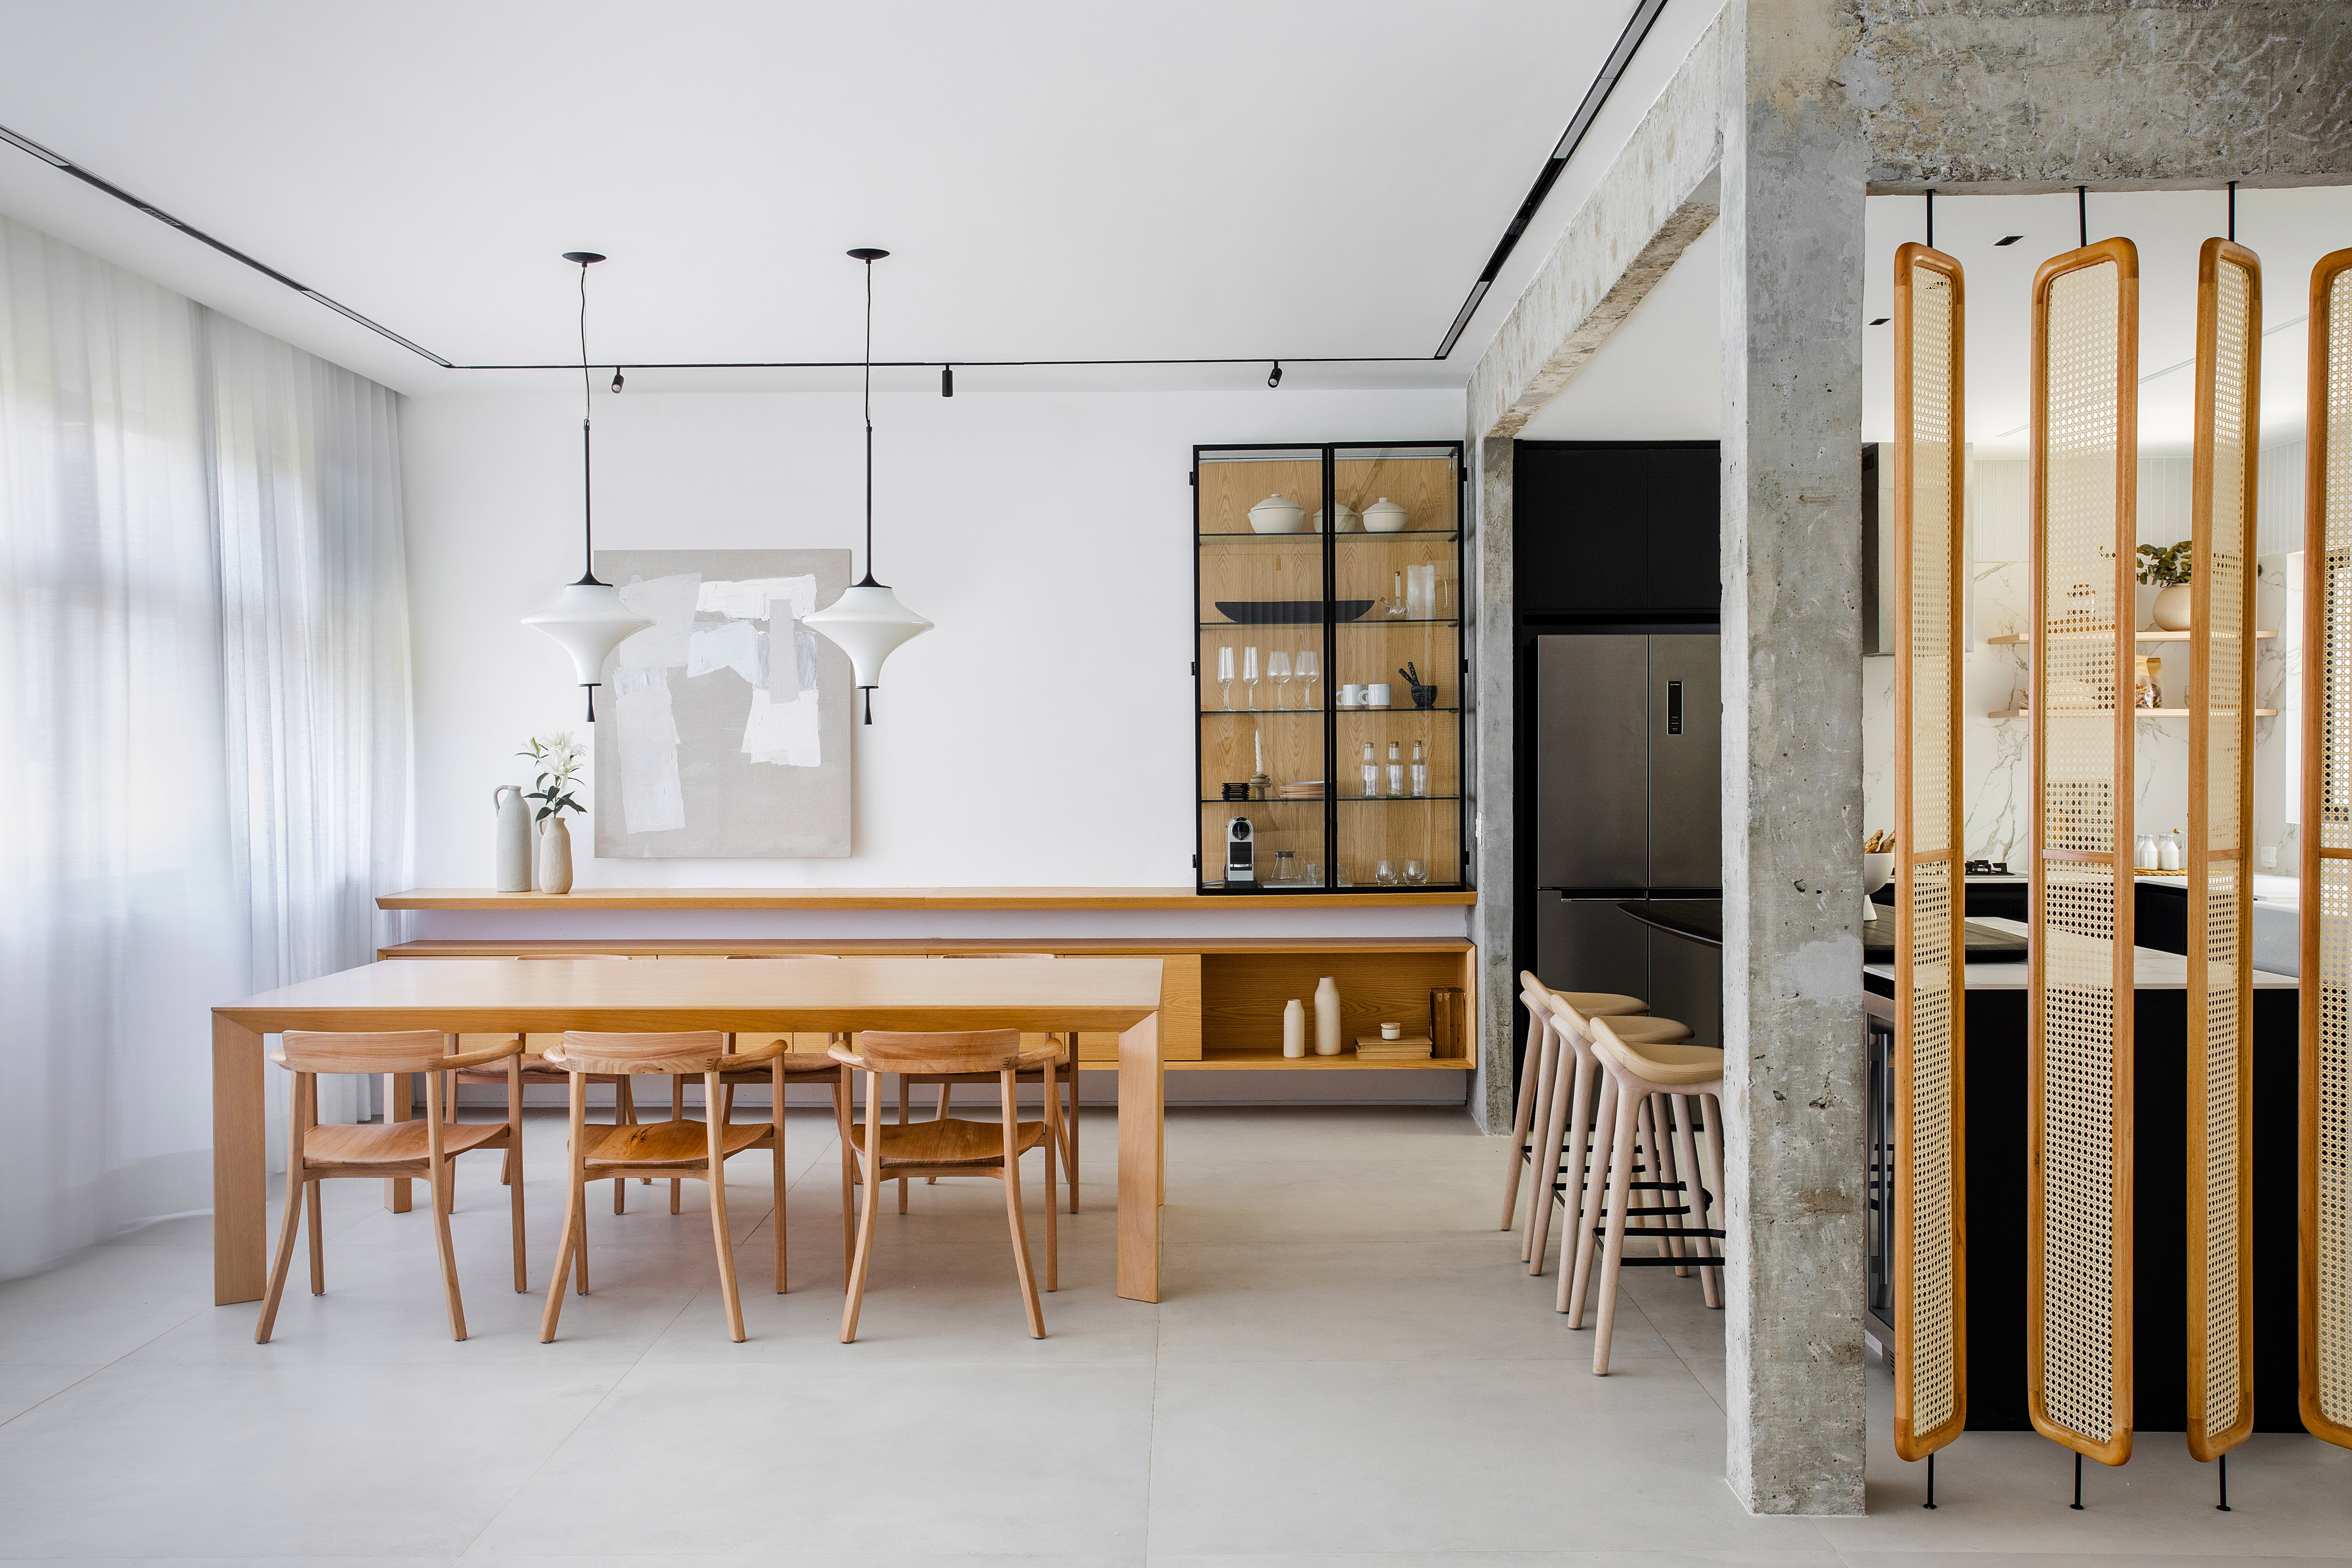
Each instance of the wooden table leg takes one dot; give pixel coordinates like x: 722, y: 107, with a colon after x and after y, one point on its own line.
x: 240, y: 1165
x: 1142, y: 1150
x: 399, y: 1090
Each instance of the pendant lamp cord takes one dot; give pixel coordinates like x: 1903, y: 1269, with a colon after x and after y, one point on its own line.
x: 587, y: 488
x: 868, y: 579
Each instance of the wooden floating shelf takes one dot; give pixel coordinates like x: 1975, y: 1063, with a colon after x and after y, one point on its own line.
x: 925, y: 898
x: 2136, y: 713
x: 1215, y: 1060
x: 2103, y: 636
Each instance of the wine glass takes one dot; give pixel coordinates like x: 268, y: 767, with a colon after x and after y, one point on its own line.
x: 1225, y: 675
x: 1277, y: 670
x: 1249, y: 675
x: 1307, y: 669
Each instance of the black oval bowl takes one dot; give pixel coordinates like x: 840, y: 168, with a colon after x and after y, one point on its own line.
x: 1289, y: 611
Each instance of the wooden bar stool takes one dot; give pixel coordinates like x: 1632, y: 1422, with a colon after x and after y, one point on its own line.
x: 950, y: 1146
x: 392, y: 1149
x: 1632, y: 1074
x: 535, y: 1070
x: 1566, y: 1144
x: 1068, y: 1065
x: 1537, y: 1075
x: 675, y: 1148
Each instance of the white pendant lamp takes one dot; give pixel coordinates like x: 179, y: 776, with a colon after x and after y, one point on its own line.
x: 868, y: 623
x: 588, y: 619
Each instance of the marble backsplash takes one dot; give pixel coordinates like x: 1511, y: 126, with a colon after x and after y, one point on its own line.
x: 1996, y: 789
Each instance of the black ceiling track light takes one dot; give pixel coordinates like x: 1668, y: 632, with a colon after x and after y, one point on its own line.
x: 1274, y: 378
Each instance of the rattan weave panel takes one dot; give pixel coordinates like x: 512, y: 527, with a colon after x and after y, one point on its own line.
x: 2079, y: 1256
x: 2326, y: 1137
x: 1930, y: 1271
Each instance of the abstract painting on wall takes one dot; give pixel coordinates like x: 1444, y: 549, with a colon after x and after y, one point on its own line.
x: 724, y: 728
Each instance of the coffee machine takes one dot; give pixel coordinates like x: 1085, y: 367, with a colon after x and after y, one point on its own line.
x: 1241, y: 860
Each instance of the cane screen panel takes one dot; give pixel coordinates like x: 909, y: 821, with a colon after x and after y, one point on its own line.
x: 2221, y: 811
x: 2325, y: 1199
x: 1929, y: 1270
x: 2084, y: 367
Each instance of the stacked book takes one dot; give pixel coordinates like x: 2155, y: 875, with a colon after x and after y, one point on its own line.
x: 1414, y: 1048
x: 1300, y: 790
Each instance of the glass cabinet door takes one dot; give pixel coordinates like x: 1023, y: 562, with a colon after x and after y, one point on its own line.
x: 1325, y: 629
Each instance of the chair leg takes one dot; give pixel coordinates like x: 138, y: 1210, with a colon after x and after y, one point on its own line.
x: 1545, y: 1162
x: 625, y: 1112
x: 317, y: 1242
x: 726, y: 1246
x: 563, y: 1260
x: 1621, y: 1196
x: 1573, y: 1285
x: 1052, y: 1132
x: 841, y: 1109
x: 1021, y: 1250
x: 938, y: 1114
x: 1070, y: 1175
x: 1695, y: 1194
x: 1547, y: 1074
x: 869, y: 1206
x: 1522, y: 1119
x: 294, y: 1206
x: 514, y: 1204
x: 676, y: 1113
x: 902, y: 1122
x: 445, y: 1189
x: 776, y: 1187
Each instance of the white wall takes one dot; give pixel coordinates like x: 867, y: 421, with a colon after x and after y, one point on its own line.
x: 1041, y: 735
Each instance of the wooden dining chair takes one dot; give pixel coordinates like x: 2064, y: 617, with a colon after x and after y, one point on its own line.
x: 536, y: 1069
x: 950, y: 1147
x: 678, y: 1148
x: 316, y: 1154
x: 1068, y: 1066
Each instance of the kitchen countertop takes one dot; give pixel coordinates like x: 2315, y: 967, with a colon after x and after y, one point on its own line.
x: 2151, y: 970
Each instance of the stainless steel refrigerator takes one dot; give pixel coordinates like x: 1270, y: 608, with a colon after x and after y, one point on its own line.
x: 1628, y: 800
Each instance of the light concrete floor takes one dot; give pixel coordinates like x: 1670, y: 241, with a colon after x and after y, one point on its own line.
x: 1349, y: 1371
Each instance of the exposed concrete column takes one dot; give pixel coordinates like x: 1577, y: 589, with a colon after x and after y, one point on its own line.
x: 1491, y: 659
x: 1795, y: 163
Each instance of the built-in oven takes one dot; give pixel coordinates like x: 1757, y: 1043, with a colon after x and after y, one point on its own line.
x: 1878, y: 1185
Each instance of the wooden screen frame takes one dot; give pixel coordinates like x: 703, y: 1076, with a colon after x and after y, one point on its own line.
x: 2125, y: 256
x: 2316, y: 854
x: 2204, y: 1444
x: 1911, y: 1444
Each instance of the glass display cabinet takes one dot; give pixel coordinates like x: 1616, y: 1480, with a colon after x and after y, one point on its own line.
x: 1330, y: 667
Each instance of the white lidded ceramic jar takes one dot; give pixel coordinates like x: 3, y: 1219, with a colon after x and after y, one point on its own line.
x: 1384, y: 517
x: 1277, y: 514
x: 1348, y: 521
x: 2172, y: 607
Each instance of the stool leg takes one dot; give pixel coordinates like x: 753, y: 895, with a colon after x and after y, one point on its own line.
x: 1621, y: 1195
x: 1694, y: 1186
x: 1656, y: 1125
x: 1546, y: 1160
x: 1548, y: 1072
x: 1522, y: 1119
x: 1711, y: 1106
x: 1576, y: 1160
x: 1596, y: 1189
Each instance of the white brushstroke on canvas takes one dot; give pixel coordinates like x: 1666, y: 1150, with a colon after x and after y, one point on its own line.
x: 750, y: 600
x: 669, y: 602
x: 731, y: 645
x: 651, y: 799
x: 784, y: 733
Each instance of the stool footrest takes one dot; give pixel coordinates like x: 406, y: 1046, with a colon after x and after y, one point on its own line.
x: 1713, y: 1260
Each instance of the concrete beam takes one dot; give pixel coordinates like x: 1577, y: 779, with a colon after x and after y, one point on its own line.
x: 1794, y: 166
x: 2042, y: 95
x: 1657, y: 197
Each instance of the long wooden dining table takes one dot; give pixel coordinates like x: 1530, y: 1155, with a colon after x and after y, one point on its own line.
x: 472, y: 996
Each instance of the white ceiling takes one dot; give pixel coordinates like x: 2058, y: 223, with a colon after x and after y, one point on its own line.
x: 1657, y: 378
x: 1058, y: 180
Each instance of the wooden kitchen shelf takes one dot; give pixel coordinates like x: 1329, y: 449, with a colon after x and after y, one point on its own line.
x: 2137, y: 712
x: 1274, y: 1062
x: 2103, y: 636
x: 481, y: 899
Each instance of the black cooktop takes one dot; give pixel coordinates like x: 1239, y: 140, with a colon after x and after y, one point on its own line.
x: 1986, y: 945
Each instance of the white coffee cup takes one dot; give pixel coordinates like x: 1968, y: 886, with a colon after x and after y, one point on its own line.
x: 1352, y: 697
x: 1377, y: 694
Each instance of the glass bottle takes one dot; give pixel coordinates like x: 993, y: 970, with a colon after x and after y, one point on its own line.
x: 1372, y: 772
x: 1396, y: 772
x: 1419, y: 774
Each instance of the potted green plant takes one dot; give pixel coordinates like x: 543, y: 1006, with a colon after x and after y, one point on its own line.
x: 557, y: 757
x: 2167, y: 568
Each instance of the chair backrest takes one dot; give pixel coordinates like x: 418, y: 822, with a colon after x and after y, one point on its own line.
x: 693, y: 1050
x: 784, y: 955
x: 400, y: 1051
x: 996, y: 954
x: 972, y: 1050
x: 526, y: 957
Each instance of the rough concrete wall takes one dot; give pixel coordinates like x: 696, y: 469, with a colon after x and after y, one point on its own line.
x: 2036, y: 94
x: 1493, y: 660
x: 1793, y: 186
x: 1654, y: 200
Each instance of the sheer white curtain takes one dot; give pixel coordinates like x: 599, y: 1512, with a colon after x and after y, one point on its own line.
x: 204, y: 726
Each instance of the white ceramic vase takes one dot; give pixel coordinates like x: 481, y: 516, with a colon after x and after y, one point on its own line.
x: 2171, y: 608
x: 515, y: 871
x: 554, y: 856
x: 1294, y: 1027
x: 1327, y: 1017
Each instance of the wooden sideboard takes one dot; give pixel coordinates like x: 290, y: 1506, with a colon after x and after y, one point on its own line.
x: 1221, y: 1010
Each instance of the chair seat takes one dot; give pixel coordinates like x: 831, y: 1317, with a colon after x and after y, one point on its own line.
x: 664, y: 1142
x: 533, y: 1067
x: 1663, y: 1061
x: 1604, y: 1004
x: 393, y: 1144
x: 953, y: 1142
x: 1648, y: 1031
x: 797, y: 1064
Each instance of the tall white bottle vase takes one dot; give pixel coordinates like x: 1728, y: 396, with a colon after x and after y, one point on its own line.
x: 514, y: 844
x: 1294, y: 1027
x: 1327, y: 1017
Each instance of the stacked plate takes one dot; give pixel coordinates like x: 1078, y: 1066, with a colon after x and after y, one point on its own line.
x: 1300, y: 790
